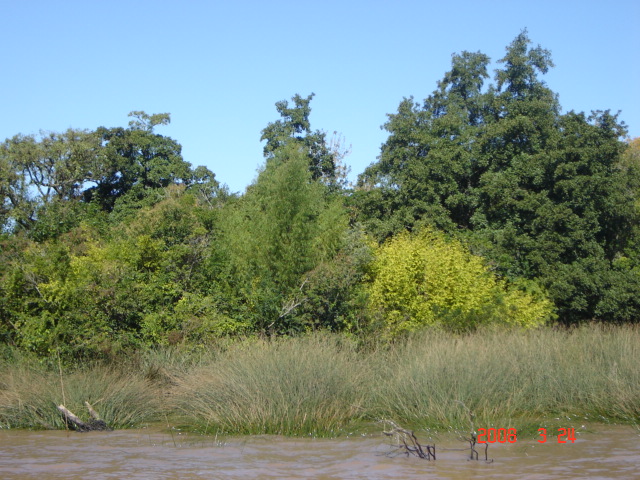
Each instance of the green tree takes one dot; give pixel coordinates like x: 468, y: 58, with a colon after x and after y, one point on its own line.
x: 135, y: 163
x: 630, y: 170
x: 283, y: 227
x: 427, y: 280
x: 17, y: 207
x: 39, y: 172
x: 544, y: 195
x: 295, y: 128
x: 48, y: 183
x: 428, y: 171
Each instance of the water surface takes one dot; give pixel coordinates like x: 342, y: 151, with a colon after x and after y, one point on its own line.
x: 609, y: 453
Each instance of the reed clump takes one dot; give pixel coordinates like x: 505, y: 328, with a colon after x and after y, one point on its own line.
x: 314, y: 385
x: 326, y: 384
x: 323, y: 385
x: 511, y: 378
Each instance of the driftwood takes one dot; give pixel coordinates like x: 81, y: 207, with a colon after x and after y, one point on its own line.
x: 473, y: 438
x: 406, y: 442
x: 94, y: 424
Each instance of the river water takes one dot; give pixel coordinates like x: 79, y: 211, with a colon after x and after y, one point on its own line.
x: 610, y: 452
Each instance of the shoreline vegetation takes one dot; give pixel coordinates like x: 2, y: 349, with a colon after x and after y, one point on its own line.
x: 482, y: 272
x: 330, y: 385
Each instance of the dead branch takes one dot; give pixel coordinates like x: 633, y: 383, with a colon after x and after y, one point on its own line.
x: 94, y: 424
x: 92, y: 412
x: 473, y: 455
x: 293, y: 303
x: 406, y: 442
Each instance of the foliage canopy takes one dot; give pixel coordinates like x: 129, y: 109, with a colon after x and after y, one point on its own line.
x: 542, y: 194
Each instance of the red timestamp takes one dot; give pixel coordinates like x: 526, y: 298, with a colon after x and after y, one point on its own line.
x: 500, y: 435
x: 510, y: 435
x: 564, y: 435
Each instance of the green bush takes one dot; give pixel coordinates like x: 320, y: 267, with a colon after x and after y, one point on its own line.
x: 426, y: 279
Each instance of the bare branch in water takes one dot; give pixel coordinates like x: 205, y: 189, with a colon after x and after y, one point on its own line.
x: 407, y: 442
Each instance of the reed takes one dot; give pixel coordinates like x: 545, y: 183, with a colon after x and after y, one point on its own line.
x: 312, y: 385
x: 29, y: 394
x: 495, y: 378
x: 327, y: 385
x: 511, y: 378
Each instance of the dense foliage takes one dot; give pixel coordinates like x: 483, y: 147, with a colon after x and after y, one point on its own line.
x: 426, y: 280
x: 543, y: 195
x: 486, y: 205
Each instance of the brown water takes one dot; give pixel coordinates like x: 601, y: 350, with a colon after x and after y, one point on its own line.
x: 608, y: 453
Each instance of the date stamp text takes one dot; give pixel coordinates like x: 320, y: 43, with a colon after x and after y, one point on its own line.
x: 510, y: 435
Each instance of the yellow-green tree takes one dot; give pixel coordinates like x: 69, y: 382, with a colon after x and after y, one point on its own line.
x: 426, y: 279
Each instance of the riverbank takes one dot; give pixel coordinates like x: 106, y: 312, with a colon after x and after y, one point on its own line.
x: 329, y: 385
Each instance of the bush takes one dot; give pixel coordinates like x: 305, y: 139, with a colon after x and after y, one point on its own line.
x: 426, y: 279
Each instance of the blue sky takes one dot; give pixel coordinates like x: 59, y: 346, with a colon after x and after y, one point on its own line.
x: 219, y: 66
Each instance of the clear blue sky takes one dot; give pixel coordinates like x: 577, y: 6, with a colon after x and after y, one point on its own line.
x: 219, y: 66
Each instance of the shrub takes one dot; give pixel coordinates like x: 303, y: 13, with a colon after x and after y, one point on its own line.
x: 426, y: 279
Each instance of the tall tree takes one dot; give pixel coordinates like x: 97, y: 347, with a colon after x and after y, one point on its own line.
x: 45, y: 171
x: 428, y: 166
x: 282, y: 228
x: 136, y: 160
x: 294, y: 128
x: 542, y: 194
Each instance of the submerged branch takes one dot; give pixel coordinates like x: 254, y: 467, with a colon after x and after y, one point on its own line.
x: 407, y: 442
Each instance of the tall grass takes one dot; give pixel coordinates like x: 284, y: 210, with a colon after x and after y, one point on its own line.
x: 433, y: 379
x: 29, y: 395
x: 511, y: 378
x: 325, y: 385
x: 301, y: 386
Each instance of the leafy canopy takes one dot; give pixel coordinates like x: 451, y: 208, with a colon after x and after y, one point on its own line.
x: 544, y: 195
x: 294, y: 128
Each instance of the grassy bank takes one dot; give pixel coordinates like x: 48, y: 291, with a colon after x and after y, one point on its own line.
x: 30, y: 394
x: 313, y: 385
x: 512, y: 379
x: 328, y: 385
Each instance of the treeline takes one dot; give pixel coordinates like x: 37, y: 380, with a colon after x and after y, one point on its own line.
x: 486, y: 205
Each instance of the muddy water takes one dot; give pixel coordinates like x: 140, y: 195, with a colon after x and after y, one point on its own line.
x: 607, y: 453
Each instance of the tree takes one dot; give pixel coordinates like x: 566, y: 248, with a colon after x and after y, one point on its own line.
x: 295, y: 128
x: 426, y: 279
x: 544, y: 195
x: 630, y: 170
x: 427, y: 169
x: 60, y: 174
x: 17, y: 207
x: 283, y: 227
x: 39, y: 172
x: 87, y: 295
x: 135, y: 162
